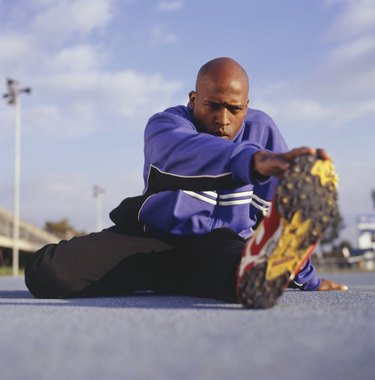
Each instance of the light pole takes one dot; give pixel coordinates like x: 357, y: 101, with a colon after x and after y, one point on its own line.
x: 14, y: 99
x: 97, y: 193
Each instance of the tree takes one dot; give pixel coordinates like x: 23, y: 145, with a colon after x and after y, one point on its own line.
x: 62, y: 229
x: 332, y: 233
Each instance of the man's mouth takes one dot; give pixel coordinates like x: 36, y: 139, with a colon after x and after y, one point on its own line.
x: 226, y: 137
x: 221, y: 134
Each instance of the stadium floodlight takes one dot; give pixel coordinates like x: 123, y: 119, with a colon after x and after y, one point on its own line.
x: 12, y: 97
x: 97, y: 193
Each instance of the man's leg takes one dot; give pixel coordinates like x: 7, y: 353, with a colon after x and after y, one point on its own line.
x: 204, y: 266
x: 109, y: 263
x: 88, y: 265
x: 303, y: 207
x: 211, y: 264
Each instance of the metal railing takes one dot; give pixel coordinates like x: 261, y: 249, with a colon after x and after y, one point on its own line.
x: 31, y: 237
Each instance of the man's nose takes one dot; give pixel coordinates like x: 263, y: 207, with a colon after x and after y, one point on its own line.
x: 222, y: 117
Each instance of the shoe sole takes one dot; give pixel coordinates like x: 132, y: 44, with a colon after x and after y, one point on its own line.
x: 306, y: 200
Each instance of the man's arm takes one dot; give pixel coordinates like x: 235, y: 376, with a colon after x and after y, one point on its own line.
x: 178, y: 157
x: 270, y: 164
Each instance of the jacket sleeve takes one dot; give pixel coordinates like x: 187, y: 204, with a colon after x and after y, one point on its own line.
x: 307, y: 278
x: 178, y: 157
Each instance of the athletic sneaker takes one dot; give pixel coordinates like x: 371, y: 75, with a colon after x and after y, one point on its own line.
x: 303, y: 207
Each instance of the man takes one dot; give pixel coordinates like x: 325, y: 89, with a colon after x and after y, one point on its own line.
x: 208, y: 179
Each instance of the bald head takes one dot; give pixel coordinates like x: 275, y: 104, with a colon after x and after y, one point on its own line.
x: 219, y: 102
x: 223, y: 70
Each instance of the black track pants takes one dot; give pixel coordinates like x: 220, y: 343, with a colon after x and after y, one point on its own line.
x: 109, y: 263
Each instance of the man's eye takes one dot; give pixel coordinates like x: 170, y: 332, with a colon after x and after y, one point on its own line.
x: 215, y: 106
x: 234, y: 109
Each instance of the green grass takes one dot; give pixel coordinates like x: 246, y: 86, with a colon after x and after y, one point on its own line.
x: 8, y: 271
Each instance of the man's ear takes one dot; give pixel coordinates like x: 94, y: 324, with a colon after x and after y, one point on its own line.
x: 192, y: 96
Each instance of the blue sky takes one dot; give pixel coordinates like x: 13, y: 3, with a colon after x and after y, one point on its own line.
x: 100, y: 68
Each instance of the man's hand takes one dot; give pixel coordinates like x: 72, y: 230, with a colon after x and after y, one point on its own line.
x: 331, y: 285
x: 270, y: 164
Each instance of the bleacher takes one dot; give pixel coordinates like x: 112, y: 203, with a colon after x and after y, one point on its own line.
x: 31, y: 237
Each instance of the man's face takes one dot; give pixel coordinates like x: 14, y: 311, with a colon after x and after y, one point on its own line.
x: 219, y: 107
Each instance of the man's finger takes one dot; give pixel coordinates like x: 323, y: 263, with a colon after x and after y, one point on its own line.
x: 331, y: 285
x: 321, y: 153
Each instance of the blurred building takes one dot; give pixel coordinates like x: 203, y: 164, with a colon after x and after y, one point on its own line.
x: 366, y: 241
x: 366, y: 232
x: 31, y: 237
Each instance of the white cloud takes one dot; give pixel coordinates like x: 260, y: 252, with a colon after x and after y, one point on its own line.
x: 354, y: 50
x: 354, y: 199
x: 73, y: 91
x: 304, y: 112
x: 84, y: 98
x: 62, y: 19
x: 159, y: 35
x: 341, y: 91
x: 348, y: 73
x: 77, y: 58
x: 16, y: 49
x: 78, y: 104
x: 70, y: 196
x: 357, y: 18
x: 56, y: 198
x: 173, y: 5
x: 69, y: 121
